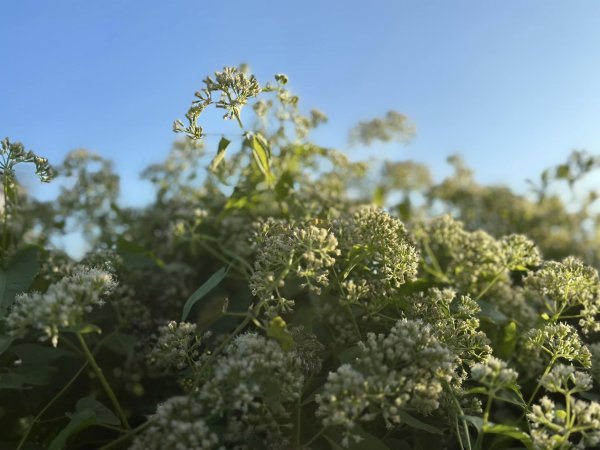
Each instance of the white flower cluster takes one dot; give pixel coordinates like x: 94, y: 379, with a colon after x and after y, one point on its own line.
x: 236, y: 88
x: 494, y: 374
x: 403, y: 370
x: 469, y: 259
x: 554, y: 426
x: 245, y: 398
x: 250, y: 385
x: 572, y: 426
x: 566, y: 379
x: 377, y: 255
x: 177, y: 346
x: 305, y: 251
x: 569, y: 284
x: 520, y: 252
x: 63, y: 305
x: 178, y: 424
x: 344, y: 400
x: 454, y: 320
x: 557, y: 341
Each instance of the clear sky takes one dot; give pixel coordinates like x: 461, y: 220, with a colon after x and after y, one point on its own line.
x: 513, y: 85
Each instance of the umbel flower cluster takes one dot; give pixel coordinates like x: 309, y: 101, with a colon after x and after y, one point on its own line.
x: 242, y: 403
x: 404, y: 370
x: 285, y: 300
x: 63, y: 306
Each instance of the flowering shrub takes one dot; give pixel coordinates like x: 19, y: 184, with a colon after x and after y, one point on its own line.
x: 287, y: 300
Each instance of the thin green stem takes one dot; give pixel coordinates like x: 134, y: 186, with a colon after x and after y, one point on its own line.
x: 462, y: 416
x: 486, y: 416
x: 49, y: 404
x: 298, y: 420
x: 117, y: 442
x: 491, y: 283
x: 434, y: 260
x: 569, y: 420
x: 353, y: 321
x: 312, y: 439
x: 104, y: 382
x: 539, y: 384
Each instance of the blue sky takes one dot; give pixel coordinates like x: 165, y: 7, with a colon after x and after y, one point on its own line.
x: 512, y: 85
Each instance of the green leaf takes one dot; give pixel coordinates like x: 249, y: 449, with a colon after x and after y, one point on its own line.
x: 367, y: 442
x: 510, y: 431
x: 379, y: 196
x: 262, y: 155
x: 11, y: 380
x: 277, y: 329
x: 88, y: 412
x: 5, y: 342
x: 284, y: 185
x: 135, y: 256
x: 512, y: 395
x: 478, y: 390
x: 103, y: 414
x: 509, y: 340
x: 27, y: 375
x: 21, y: 270
x: 78, y: 421
x: 489, y: 311
x: 476, y: 421
x: 84, y: 328
x: 208, y: 286
x: 39, y: 354
x: 416, y: 423
x: 121, y: 343
x: 214, y: 164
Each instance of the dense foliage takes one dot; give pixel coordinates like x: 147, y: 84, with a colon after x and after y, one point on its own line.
x: 286, y: 297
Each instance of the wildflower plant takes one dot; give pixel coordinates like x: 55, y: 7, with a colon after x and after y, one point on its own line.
x: 62, y: 307
x: 572, y: 424
x: 274, y: 296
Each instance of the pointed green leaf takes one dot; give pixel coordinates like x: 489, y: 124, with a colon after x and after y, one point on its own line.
x: 84, y: 328
x: 284, y: 186
x: 214, y: 164
x: 511, y: 431
x: 262, y: 155
x: 103, y: 414
x: 121, y: 343
x: 135, y: 256
x: 208, y: 286
x: 476, y: 421
x: 78, y: 421
x: 491, y: 312
x: 418, y: 424
x: 509, y: 340
x: 512, y: 395
x: 478, y: 390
